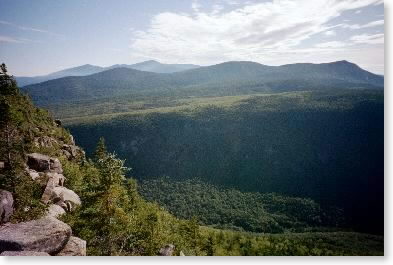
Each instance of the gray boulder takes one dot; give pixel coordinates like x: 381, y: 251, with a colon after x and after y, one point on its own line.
x: 66, y: 195
x: 168, y: 250
x: 38, y: 162
x: 55, y: 165
x: 23, y: 253
x: 54, y: 180
x: 75, y: 247
x: 43, y: 235
x: 55, y: 210
x: 43, y: 163
x: 6, y: 206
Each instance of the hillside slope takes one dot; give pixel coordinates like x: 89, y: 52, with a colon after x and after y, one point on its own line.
x: 231, y: 78
x: 327, y: 146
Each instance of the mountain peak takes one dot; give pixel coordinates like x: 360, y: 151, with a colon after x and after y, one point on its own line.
x: 148, y: 62
x: 342, y: 62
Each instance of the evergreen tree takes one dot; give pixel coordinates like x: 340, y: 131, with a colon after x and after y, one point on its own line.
x: 11, y: 137
x: 101, y: 150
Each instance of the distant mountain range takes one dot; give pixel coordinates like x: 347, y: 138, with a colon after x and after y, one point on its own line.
x: 88, y: 69
x: 230, y: 78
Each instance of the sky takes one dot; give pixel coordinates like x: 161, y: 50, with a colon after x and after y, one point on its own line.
x: 42, y: 36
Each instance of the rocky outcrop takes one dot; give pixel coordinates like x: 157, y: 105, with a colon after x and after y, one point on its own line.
x: 6, y: 206
x: 72, y: 151
x: 168, y: 250
x: 23, y: 253
x: 43, y: 235
x: 74, y: 247
x: 48, y: 172
x: 43, y: 163
x: 48, y: 235
x: 45, y: 141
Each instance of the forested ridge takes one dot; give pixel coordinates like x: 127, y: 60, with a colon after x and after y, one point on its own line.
x: 225, y: 79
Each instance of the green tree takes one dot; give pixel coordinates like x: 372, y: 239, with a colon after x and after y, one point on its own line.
x: 101, y: 150
x: 11, y: 137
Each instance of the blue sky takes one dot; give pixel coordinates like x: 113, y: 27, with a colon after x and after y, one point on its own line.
x: 42, y: 36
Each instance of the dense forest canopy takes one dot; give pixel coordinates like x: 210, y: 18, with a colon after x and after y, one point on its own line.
x: 327, y: 146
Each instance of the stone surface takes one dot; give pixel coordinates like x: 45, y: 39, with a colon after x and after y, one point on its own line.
x: 67, y: 206
x: 168, y: 250
x: 55, y: 210
x: 43, y: 163
x: 66, y: 154
x: 47, y: 196
x: 38, y: 162
x: 74, y: 247
x: 55, y: 165
x: 72, y: 151
x: 43, y: 235
x: 6, y: 206
x: 54, y: 180
x: 45, y: 141
x: 23, y: 253
x: 33, y: 174
x: 66, y: 195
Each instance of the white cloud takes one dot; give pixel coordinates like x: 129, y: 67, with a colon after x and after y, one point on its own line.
x: 368, y: 39
x: 368, y: 25
x: 330, y: 33
x: 332, y: 44
x: 270, y: 32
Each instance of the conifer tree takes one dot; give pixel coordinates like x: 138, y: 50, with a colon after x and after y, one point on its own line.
x: 11, y: 121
